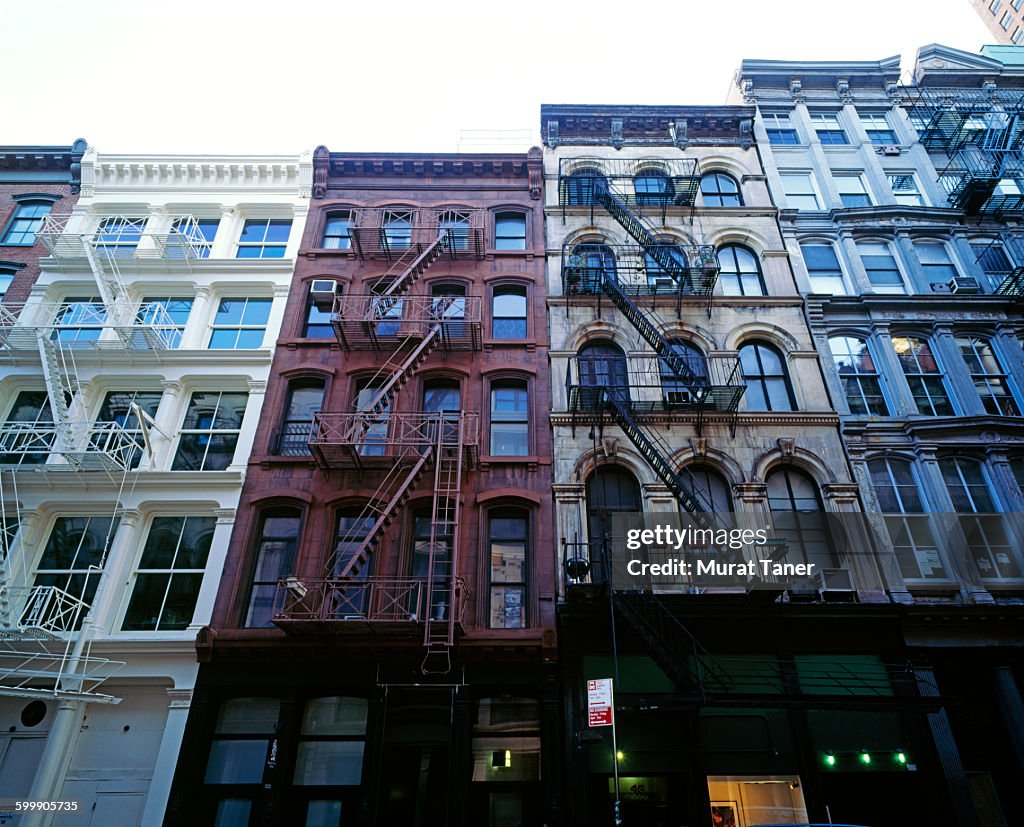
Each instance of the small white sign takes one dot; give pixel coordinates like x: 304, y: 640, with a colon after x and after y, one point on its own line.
x: 599, y: 702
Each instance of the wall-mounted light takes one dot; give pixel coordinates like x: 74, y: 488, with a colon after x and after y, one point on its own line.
x: 865, y: 756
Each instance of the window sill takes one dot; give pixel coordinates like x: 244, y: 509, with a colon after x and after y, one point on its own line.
x: 531, y: 462
x: 529, y: 344
x: 9, y: 244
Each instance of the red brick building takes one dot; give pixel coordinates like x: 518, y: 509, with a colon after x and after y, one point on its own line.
x: 383, y: 640
x: 34, y: 181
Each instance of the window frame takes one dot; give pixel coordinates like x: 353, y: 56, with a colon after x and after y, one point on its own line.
x: 334, y: 215
x: 510, y: 288
x: 763, y: 378
x: 791, y: 197
x: 516, y: 383
x: 211, y: 433
x: 717, y: 175
x: 506, y: 215
x: 779, y: 125
x: 820, y: 274
x: 241, y: 327
x: 509, y: 512
x: 878, y: 137
x: 937, y: 376
x: 263, y: 245
x: 740, y: 273
x: 280, y: 437
x: 171, y: 572
x: 290, y: 556
x: 863, y: 192
x: 27, y: 201
x: 879, y: 287
x: 985, y: 378
x: 857, y: 377
x: 828, y: 124
x: 929, y: 269
x: 908, y: 198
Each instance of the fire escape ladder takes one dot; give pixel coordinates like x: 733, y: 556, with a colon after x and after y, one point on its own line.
x: 407, y: 278
x: 442, y: 571
x: 640, y: 230
x: 697, y: 385
x: 656, y: 452
x: 674, y: 648
x: 62, y: 387
x: 383, y: 516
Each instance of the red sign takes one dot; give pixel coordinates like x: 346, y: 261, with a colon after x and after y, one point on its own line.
x: 599, y: 702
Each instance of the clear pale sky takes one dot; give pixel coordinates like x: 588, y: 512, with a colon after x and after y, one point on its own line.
x: 224, y: 76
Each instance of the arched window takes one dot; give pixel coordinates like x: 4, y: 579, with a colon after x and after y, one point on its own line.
x: 656, y: 273
x: 720, y: 190
x: 336, y: 231
x: 685, y: 390
x: 978, y: 514
x: 397, y: 226
x: 798, y: 516
x: 602, y: 364
x: 858, y: 375
x: 508, y: 312
x: 739, y: 271
x: 26, y: 221
x: 709, y: 488
x: 276, y: 544
x: 990, y: 380
x: 925, y: 377
x: 611, y: 490
x: 510, y: 231
x: 905, y: 512
x: 588, y: 266
x: 580, y: 186
x: 456, y: 223
x: 653, y: 186
x: 441, y: 395
x: 508, y: 542
x: 768, y: 386
x: 305, y: 398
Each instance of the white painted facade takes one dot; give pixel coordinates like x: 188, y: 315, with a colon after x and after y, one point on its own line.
x: 117, y: 759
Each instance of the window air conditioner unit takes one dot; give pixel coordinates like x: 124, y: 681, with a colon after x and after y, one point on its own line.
x: 940, y: 287
x: 679, y: 398
x: 891, y: 149
x: 323, y: 293
x: 964, y: 285
x: 665, y: 284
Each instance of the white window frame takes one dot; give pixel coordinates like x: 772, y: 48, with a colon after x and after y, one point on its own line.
x: 903, y: 288
x: 838, y: 176
x: 890, y: 175
x: 809, y: 176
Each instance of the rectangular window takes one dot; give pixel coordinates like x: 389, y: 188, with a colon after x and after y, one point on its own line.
x: 119, y: 235
x: 317, y: 324
x: 852, y: 191
x: 994, y: 5
x: 6, y: 277
x: 990, y: 380
x: 210, y: 431
x: 510, y: 231
x: 25, y: 223
x: 799, y: 189
x: 197, y: 236
x: 828, y: 129
x: 264, y: 238
x: 336, y: 231
x: 330, y: 749
x: 79, y: 320
x: 993, y: 261
x: 1017, y: 4
x: 1006, y: 20
x: 169, y: 575
x: 510, y: 413
x: 935, y: 261
x: 876, y: 125
x: 29, y: 430
x: 823, y: 269
x: 72, y: 562
x: 508, y: 544
x: 881, y: 267
x: 1017, y: 36
x: 119, y: 407
x: 780, y: 129
x: 904, y: 187
x: 925, y: 377
x: 509, y: 313
x: 240, y: 323
x: 168, y: 314
x: 239, y: 749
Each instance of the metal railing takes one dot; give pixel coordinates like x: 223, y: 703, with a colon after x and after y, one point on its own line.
x: 181, y: 241
x: 84, y: 326
x: 370, y: 599
x: 85, y: 446
x: 384, y: 322
x: 389, y: 232
x: 636, y: 272
x: 656, y: 183
x: 42, y: 609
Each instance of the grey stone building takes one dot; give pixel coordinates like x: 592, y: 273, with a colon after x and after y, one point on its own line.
x: 899, y: 205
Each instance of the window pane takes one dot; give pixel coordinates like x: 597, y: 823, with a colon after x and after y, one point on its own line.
x: 236, y: 762
x: 335, y: 716
x: 329, y: 762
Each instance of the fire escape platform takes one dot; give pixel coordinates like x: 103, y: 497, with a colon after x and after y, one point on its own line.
x: 640, y: 183
x: 585, y: 266
x: 374, y: 322
x: 391, y: 233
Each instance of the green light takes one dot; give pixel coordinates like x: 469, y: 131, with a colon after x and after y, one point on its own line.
x: 865, y: 758
x: 619, y: 755
x: 901, y: 757
x: 830, y: 759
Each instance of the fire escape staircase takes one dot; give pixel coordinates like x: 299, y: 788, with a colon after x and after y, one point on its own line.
x: 413, y: 263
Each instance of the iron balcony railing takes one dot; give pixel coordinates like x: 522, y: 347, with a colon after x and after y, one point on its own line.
x: 949, y: 119
x: 292, y: 438
x: 643, y: 183
x: 126, y: 238
x: 41, y: 610
x: 89, y: 325
x: 1007, y: 268
x: 85, y: 446
x: 647, y: 383
x: 394, y: 601
x: 585, y: 267
x: 984, y: 182
x: 390, y: 232
x: 343, y: 440
x: 386, y: 323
